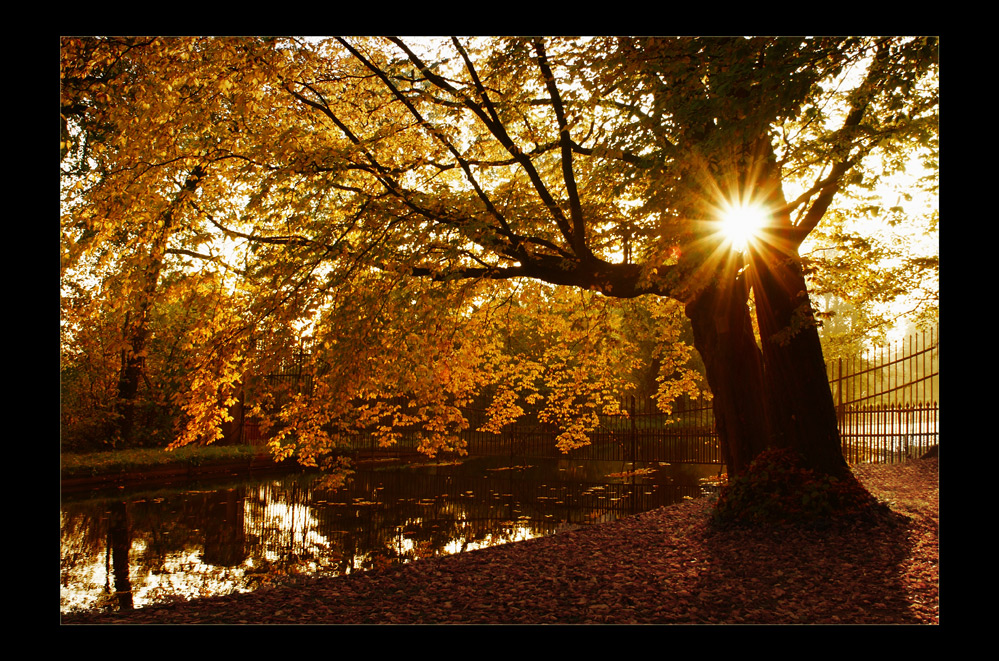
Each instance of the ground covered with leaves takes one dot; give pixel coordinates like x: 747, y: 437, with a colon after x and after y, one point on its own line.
x: 667, y: 566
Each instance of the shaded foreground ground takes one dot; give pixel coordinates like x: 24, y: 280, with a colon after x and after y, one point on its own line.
x: 666, y: 566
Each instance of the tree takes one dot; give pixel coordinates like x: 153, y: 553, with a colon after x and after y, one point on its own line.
x: 392, y: 195
x: 129, y: 191
x: 871, y: 276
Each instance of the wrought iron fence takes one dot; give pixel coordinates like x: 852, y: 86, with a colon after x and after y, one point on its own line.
x: 887, y: 401
x: 640, y: 433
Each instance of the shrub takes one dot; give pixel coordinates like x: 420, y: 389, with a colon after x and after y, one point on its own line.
x: 777, y: 488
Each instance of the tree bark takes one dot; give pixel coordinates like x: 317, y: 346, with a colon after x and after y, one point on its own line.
x: 800, y: 403
x: 136, y: 333
x: 781, y: 386
x: 132, y: 367
x: 723, y: 335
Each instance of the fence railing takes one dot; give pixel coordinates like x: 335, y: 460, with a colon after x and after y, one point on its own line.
x: 886, y: 404
x: 887, y: 401
x: 887, y: 433
x: 640, y: 433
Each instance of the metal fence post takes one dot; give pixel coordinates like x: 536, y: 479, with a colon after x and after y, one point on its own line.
x: 634, y: 457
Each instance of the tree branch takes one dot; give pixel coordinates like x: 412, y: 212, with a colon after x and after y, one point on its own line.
x: 505, y: 230
x: 829, y: 186
x: 610, y: 279
x: 565, y: 142
x: 207, y: 258
x: 489, y: 117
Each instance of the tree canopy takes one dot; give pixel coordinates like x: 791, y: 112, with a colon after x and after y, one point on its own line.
x: 491, y: 219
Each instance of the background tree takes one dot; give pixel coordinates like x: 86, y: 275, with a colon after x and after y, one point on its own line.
x: 873, y: 264
x: 392, y: 195
x: 141, y: 120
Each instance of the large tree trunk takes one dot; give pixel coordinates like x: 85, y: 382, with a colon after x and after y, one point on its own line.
x: 801, y: 407
x: 777, y: 397
x: 800, y: 404
x: 723, y: 335
x: 792, y: 389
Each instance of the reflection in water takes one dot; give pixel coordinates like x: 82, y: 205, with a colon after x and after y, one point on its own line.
x: 156, y: 547
x: 119, y: 543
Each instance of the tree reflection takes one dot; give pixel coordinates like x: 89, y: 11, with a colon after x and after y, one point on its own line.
x: 240, y: 536
x: 119, y: 544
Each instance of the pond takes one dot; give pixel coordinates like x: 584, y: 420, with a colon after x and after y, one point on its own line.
x: 135, y: 548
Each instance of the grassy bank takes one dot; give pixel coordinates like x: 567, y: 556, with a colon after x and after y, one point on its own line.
x: 126, y: 461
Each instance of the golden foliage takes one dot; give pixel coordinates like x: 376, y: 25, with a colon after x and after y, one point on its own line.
x: 402, y: 205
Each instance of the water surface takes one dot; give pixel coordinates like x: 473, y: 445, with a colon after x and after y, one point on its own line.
x: 137, y: 548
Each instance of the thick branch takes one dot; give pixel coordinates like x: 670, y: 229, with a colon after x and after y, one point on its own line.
x: 610, y: 279
x: 565, y: 142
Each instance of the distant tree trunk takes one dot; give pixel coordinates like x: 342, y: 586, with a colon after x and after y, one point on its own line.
x: 132, y: 366
x: 136, y: 331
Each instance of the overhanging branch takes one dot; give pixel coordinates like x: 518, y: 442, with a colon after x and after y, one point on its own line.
x: 610, y: 279
x: 830, y: 185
